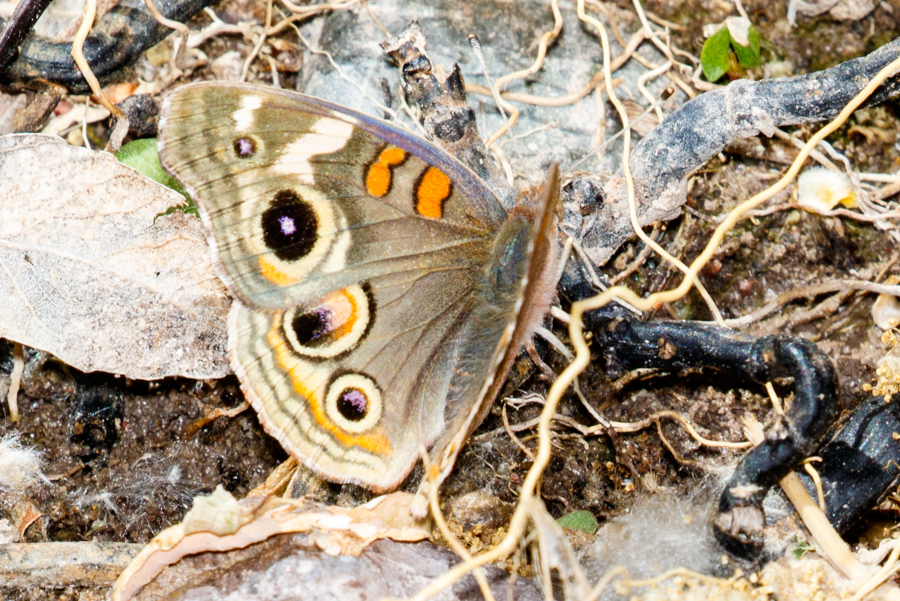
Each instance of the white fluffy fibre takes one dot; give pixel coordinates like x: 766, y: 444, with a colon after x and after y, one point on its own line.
x: 20, y: 466
x: 662, y: 531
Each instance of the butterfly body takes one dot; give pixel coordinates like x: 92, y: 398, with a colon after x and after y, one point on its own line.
x: 379, y: 279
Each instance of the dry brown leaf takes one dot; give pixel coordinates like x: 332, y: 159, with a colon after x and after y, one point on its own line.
x: 120, y: 91
x: 10, y: 104
x: 25, y: 513
x: 642, y: 122
x: 79, y: 113
x: 874, y: 135
x: 91, y: 273
x: 220, y: 523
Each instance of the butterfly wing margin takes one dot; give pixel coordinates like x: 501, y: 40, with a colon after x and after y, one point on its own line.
x: 520, y: 290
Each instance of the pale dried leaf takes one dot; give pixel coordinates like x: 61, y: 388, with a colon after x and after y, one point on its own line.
x: 91, y: 274
x: 9, y: 105
x: 288, y: 567
x: 888, y: 368
x: 886, y: 309
x: 61, y: 19
x: 79, y: 113
x: 739, y: 29
x: 334, y: 530
x: 852, y: 10
x: 641, y: 121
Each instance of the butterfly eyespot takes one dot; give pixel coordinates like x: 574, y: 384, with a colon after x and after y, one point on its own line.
x: 354, y: 403
x: 244, y: 147
x: 333, y: 326
x: 314, y: 327
x: 289, y: 226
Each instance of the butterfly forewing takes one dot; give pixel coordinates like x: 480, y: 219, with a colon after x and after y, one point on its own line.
x: 303, y: 197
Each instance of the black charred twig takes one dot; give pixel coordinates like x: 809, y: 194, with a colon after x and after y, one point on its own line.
x: 23, y: 19
x: 704, y: 126
x: 861, y: 464
x: 795, y: 435
x: 447, y: 116
x: 117, y: 41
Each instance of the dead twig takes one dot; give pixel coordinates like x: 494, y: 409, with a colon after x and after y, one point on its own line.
x: 639, y: 260
x: 120, y: 130
x: 811, y: 291
x: 15, y: 380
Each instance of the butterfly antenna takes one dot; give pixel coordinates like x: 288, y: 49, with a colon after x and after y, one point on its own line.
x: 476, y: 48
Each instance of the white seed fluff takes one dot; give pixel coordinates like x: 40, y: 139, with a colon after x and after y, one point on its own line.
x: 20, y: 466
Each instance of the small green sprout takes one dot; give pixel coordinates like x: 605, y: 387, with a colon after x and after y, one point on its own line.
x: 732, y: 48
x: 579, y: 520
x: 801, y: 548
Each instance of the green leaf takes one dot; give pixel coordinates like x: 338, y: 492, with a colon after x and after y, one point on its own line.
x: 714, y: 57
x: 188, y: 208
x: 579, y: 520
x: 142, y: 156
x: 801, y: 548
x: 748, y: 56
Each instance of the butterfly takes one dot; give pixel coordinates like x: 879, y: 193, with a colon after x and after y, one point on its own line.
x: 382, y: 289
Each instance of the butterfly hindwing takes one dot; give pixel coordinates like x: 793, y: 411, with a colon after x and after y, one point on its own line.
x: 357, y: 379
